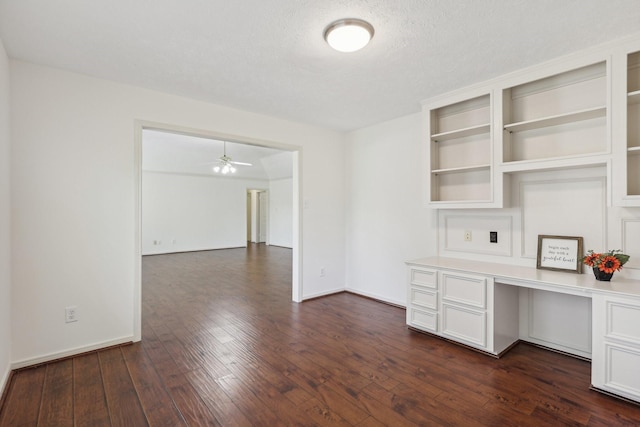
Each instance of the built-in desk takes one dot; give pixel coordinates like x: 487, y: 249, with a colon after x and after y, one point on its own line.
x: 478, y: 304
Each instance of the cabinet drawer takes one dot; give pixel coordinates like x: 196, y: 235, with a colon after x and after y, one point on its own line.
x: 464, y: 289
x: 423, y: 277
x: 622, y: 320
x: 424, y: 298
x: 423, y: 319
x: 465, y: 324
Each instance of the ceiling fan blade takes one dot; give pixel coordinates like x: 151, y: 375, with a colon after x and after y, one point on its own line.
x: 241, y: 163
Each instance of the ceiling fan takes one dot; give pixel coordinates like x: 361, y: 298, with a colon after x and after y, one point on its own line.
x: 225, y: 164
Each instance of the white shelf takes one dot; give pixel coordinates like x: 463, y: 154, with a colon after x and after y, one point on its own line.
x: 567, y: 162
x: 462, y: 203
x: 461, y: 133
x: 633, y: 97
x: 590, y: 113
x: 460, y: 169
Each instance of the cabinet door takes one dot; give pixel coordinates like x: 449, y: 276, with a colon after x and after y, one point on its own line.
x: 622, y: 372
x: 464, y: 324
x: 615, y: 366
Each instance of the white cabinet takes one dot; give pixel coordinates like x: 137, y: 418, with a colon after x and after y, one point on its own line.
x: 615, y: 365
x: 477, y: 304
x: 462, y: 307
x: 422, y: 299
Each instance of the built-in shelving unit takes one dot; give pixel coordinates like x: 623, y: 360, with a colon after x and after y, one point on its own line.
x: 460, y: 152
x: 560, y: 116
x: 633, y: 127
x: 581, y: 112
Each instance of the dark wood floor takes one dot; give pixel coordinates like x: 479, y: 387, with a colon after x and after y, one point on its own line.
x: 224, y: 345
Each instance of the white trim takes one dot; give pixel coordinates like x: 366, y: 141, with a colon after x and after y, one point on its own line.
x: 71, y: 352
x: 137, y: 232
x: 401, y: 303
x: 296, y: 238
x: 3, y: 382
x: 324, y: 293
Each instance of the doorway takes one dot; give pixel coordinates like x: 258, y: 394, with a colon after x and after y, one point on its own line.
x: 258, y: 216
x: 263, y: 234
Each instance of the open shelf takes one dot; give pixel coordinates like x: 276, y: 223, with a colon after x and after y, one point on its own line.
x: 460, y: 169
x: 557, y: 163
x: 461, y: 133
x: 633, y: 97
x: 560, y: 119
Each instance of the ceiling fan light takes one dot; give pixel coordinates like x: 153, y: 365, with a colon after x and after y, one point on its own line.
x: 216, y: 169
x: 348, y: 35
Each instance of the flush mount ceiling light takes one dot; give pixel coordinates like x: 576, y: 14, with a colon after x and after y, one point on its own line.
x: 348, y: 35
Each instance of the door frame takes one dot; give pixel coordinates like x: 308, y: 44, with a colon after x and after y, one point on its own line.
x: 296, y: 150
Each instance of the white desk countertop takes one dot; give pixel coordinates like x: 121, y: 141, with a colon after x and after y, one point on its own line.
x: 556, y: 281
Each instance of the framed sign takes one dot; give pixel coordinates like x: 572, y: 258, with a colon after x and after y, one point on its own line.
x: 561, y: 253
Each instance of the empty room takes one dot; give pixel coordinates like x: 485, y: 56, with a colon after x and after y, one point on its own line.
x: 286, y: 212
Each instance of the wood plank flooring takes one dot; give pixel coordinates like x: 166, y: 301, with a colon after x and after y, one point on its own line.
x: 223, y: 345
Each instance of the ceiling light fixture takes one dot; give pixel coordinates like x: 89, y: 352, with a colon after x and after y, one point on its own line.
x: 225, y: 168
x: 348, y: 35
x: 225, y: 164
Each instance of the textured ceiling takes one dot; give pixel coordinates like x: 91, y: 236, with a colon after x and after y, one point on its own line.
x: 268, y: 56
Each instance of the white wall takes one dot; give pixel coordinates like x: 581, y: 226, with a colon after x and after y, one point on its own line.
x: 5, y: 226
x: 74, y: 202
x: 182, y: 212
x: 572, y: 202
x: 281, y: 212
x: 387, y: 222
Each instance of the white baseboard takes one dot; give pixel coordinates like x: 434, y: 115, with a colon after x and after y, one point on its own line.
x: 3, y: 380
x: 402, y: 303
x: 323, y: 294
x: 67, y: 353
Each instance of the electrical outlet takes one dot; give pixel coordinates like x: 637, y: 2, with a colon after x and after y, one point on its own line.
x: 467, y: 236
x: 493, y: 237
x: 71, y: 314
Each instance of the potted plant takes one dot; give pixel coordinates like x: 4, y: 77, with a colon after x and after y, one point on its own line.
x: 606, y: 263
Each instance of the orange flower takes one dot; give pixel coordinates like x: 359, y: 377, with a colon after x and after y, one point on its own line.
x: 591, y: 259
x: 609, y: 264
